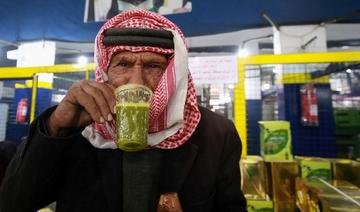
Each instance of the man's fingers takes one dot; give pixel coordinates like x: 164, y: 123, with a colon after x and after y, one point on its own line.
x: 96, y: 99
x: 108, y: 92
x: 85, y: 119
x: 100, y: 100
x: 89, y: 104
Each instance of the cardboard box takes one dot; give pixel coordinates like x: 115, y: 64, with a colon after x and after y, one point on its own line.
x: 281, y: 206
x: 275, y: 141
x: 283, y: 177
x: 338, y: 204
x: 260, y: 205
x: 348, y: 170
x: 313, y: 195
x: 312, y: 168
x: 306, y: 201
x: 253, y: 180
x: 344, y: 185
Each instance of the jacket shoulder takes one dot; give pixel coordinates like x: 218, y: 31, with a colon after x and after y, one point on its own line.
x: 212, y: 119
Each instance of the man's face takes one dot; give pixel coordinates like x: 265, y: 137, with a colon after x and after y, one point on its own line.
x: 145, y: 68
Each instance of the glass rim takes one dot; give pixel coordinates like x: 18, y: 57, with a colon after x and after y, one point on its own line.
x: 131, y: 86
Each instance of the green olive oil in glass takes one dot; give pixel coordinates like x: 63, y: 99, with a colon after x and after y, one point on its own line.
x: 132, y: 117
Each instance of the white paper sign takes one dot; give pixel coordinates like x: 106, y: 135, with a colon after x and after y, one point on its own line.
x: 39, y: 53
x: 214, y: 69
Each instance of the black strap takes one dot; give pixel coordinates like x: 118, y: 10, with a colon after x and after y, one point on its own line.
x: 138, y: 41
x: 138, y: 37
x: 139, y: 32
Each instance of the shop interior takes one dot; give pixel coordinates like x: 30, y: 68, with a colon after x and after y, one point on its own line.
x: 291, y: 86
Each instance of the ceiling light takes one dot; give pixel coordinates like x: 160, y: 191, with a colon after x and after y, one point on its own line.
x: 243, y: 53
x: 12, y: 54
x: 82, y: 60
x: 265, y: 86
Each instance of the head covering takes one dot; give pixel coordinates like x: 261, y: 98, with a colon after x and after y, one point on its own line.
x: 174, y: 114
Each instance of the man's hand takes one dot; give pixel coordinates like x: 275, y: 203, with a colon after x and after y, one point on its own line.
x: 84, y: 103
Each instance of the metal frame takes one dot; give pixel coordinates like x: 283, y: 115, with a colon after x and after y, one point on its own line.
x: 32, y: 73
x: 19, y: 73
x: 239, y: 90
x: 33, y: 97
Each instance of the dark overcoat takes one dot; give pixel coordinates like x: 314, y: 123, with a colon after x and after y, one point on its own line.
x: 79, y: 177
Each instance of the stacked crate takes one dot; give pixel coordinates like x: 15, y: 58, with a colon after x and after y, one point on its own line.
x: 276, y: 148
x: 347, y: 124
x: 254, y: 184
x: 328, y: 185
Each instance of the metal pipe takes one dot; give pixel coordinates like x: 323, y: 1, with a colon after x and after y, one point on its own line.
x: 33, y: 97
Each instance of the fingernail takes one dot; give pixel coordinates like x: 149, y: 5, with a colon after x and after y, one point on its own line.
x: 109, y: 117
x: 102, y: 120
x: 114, y: 110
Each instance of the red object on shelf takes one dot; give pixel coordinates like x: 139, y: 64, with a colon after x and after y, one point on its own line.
x: 309, y: 105
x: 21, y: 111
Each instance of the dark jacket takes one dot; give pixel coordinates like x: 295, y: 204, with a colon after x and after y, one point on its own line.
x: 69, y: 170
x: 7, y: 151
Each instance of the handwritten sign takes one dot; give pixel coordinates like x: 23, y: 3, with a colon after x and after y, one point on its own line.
x: 213, y: 69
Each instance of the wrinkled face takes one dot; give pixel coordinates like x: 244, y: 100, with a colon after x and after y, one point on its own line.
x: 145, y: 68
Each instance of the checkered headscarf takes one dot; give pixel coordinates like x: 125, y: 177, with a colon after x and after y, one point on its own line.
x: 174, y: 114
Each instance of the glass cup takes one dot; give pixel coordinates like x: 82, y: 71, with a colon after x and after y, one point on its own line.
x: 132, y: 116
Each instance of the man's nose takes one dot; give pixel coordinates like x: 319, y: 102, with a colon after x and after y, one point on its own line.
x: 137, y: 76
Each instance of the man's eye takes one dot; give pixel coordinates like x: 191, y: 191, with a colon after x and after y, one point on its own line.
x: 123, y: 64
x: 154, y: 65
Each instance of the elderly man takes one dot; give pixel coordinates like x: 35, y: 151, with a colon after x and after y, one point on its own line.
x: 192, y: 159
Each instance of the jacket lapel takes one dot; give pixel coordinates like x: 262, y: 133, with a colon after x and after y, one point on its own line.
x: 110, y: 167
x: 177, y: 164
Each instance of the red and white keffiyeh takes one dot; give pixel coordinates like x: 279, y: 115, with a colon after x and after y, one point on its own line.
x: 174, y: 114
